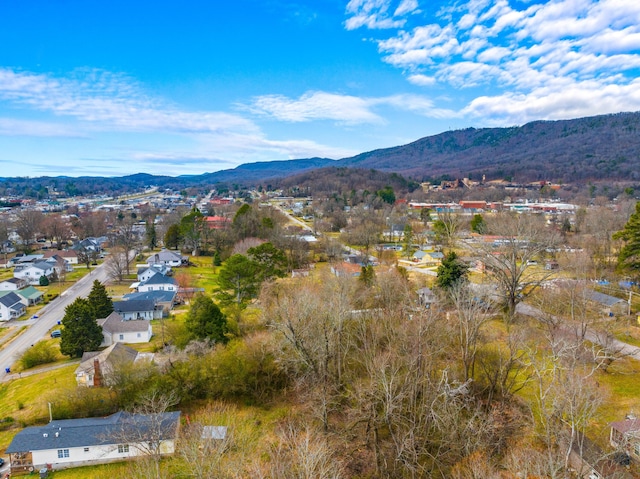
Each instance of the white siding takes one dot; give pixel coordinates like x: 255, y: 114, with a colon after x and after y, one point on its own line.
x: 95, y: 455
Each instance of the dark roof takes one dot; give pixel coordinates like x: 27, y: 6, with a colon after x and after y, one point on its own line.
x: 604, y: 299
x: 159, y: 296
x: 159, y: 278
x: 10, y: 299
x: 134, y: 305
x: 94, y: 431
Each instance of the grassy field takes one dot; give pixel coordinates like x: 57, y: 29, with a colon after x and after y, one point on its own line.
x: 26, y: 399
x: 203, y: 273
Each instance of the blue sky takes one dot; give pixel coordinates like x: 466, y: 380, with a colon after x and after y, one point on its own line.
x: 120, y: 87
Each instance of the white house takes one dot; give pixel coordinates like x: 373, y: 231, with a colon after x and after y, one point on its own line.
x: 138, y: 309
x: 116, y: 330
x: 13, y: 284
x: 147, y: 272
x: 162, y: 299
x: 12, y: 306
x: 94, y: 365
x: 32, y: 272
x: 158, y: 282
x: 68, y: 255
x: 166, y: 257
x: 97, y: 440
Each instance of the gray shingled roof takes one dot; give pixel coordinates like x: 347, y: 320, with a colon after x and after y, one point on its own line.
x: 159, y: 278
x: 160, y: 296
x: 115, y: 324
x: 95, y: 431
x: 11, y: 299
x: 115, y: 354
x: 134, y: 306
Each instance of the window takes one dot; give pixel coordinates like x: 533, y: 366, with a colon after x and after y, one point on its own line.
x: 122, y: 448
x: 86, y: 449
x: 62, y: 453
x: 121, y: 337
x: 139, y: 335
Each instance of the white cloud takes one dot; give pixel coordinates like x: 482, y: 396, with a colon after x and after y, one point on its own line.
x: 344, y: 109
x: 15, y: 127
x: 421, y: 80
x: 316, y: 106
x: 572, y: 101
x: 109, y: 101
x: 374, y: 14
x: 586, y: 47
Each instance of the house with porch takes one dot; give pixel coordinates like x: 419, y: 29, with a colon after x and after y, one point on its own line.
x: 163, y: 299
x: 138, y: 309
x: 32, y: 272
x: 30, y: 295
x: 11, y: 306
x: 158, y: 282
x: 13, y: 284
x: 147, y: 272
x: 70, y: 443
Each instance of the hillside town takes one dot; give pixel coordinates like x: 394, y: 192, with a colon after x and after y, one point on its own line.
x: 522, y: 315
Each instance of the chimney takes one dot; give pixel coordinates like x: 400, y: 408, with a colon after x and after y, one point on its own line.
x: 97, y: 374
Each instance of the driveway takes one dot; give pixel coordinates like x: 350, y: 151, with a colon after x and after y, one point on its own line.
x: 48, y: 317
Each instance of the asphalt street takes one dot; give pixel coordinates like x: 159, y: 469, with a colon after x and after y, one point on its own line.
x: 48, y: 317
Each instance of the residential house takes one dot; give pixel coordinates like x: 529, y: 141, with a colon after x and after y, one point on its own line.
x: 98, y: 440
x: 147, y: 272
x: 26, y: 258
x: 163, y: 299
x: 158, y: 282
x: 69, y: 255
x: 116, y: 330
x: 90, y: 245
x: 138, y: 309
x: 346, y: 269
x: 32, y: 272
x: 95, y: 365
x: 217, y: 222
x: 625, y: 436
x: 426, y: 297
x: 609, y: 305
x: 166, y: 257
x: 30, y: 295
x: 60, y: 265
x: 429, y: 258
x: 588, y: 461
x: 11, y: 306
x: 13, y: 284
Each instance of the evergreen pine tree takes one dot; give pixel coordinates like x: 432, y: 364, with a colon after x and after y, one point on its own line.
x: 629, y: 256
x: 451, y: 271
x: 81, y: 332
x: 100, y: 301
x: 206, y: 321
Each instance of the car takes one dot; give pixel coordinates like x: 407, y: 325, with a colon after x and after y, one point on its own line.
x: 1, y: 462
x: 56, y: 333
x: 35, y: 316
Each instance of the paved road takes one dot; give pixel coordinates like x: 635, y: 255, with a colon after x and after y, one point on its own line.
x: 624, y: 349
x: 48, y: 317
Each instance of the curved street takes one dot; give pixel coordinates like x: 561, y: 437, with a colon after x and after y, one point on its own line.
x: 48, y: 317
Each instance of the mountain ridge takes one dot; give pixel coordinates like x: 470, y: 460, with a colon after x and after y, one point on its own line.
x: 591, y: 149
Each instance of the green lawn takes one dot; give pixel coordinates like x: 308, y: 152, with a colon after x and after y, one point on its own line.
x: 203, y: 273
x: 26, y: 399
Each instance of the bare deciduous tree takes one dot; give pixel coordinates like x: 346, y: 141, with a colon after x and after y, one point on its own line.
x: 512, y: 263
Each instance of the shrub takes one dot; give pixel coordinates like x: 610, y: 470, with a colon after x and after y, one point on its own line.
x: 40, y: 353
